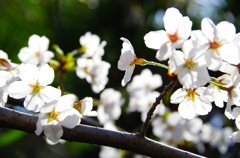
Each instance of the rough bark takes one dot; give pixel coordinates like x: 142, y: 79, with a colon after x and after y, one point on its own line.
x: 89, y: 134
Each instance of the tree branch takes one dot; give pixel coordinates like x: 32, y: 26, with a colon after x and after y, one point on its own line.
x: 82, y: 133
x: 167, y: 88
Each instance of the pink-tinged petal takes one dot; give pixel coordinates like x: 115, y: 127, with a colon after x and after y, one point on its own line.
x: 171, y: 20
x: 184, y: 28
x: 53, y: 132
x: 187, y: 110
x: 70, y: 118
x: 155, y: 39
x: 178, y: 96
x: 46, y: 75
x: 49, y: 93
x: 127, y: 75
x: 29, y: 73
x: 19, y: 89
x: 230, y: 53
x: 208, y: 29
x: 125, y: 60
x: 226, y: 31
x: 33, y: 103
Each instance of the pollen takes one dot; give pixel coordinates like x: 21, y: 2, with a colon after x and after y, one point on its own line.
x: 36, y: 87
x: 53, y: 115
x: 189, y: 64
x: 191, y: 93
x: 173, y: 37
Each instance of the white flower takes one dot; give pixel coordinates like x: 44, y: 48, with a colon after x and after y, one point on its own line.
x: 85, y: 106
x: 91, y: 46
x: 36, y: 53
x: 126, y: 60
x: 5, y: 63
x: 94, y: 71
x: 110, y: 105
x: 215, y: 93
x: 108, y: 152
x: 190, y: 66
x: 178, y: 29
x: 34, y: 86
x: 233, y: 96
x: 56, y: 114
x: 192, y: 102
x: 145, y: 81
x: 217, y: 41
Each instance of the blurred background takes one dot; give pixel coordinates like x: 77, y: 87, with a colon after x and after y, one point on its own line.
x: 64, y: 21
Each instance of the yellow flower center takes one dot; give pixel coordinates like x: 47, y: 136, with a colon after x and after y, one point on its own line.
x: 78, y: 106
x: 191, y: 93
x: 53, y: 115
x: 36, y: 87
x: 189, y: 63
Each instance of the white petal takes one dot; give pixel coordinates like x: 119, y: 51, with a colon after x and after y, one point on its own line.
x: 155, y: 39
x: 178, y: 96
x: 235, y: 136
x: 53, y: 132
x: 46, y: 75
x: 208, y: 28
x: 70, y: 119
x: 127, y: 75
x: 164, y: 52
x: 186, y: 109
x: 125, y: 60
x: 230, y: 53
x: 19, y: 89
x: 33, y: 103
x: 49, y: 93
x: 171, y: 20
x: 87, y: 105
x: 26, y: 55
x: 184, y: 28
x: 226, y: 31
x: 29, y: 73
x: 42, y: 120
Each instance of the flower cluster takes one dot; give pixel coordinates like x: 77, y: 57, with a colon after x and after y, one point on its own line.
x: 191, y: 55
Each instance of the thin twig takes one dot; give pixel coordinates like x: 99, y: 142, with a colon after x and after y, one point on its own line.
x: 167, y: 88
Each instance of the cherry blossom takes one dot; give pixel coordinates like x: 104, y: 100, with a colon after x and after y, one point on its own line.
x: 56, y: 114
x: 191, y: 102
x: 34, y: 86
x: 36, y: 53
x: 178, y: 29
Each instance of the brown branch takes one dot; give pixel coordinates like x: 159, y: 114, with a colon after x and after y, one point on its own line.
x: 82, y: 133
x: 167, y: 88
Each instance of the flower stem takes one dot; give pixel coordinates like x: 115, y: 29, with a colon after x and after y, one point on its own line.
x: 167, y: 88
x: 155, y: 64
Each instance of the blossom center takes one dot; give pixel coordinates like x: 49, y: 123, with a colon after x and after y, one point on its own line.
x: 173, y: 37
x: 36, y: 87
x: 189, y: 63
x: 53, y: 115
x: 78, y: 106
x: 37, y: 54
x: 214, y: 45
x: 191, y: 93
